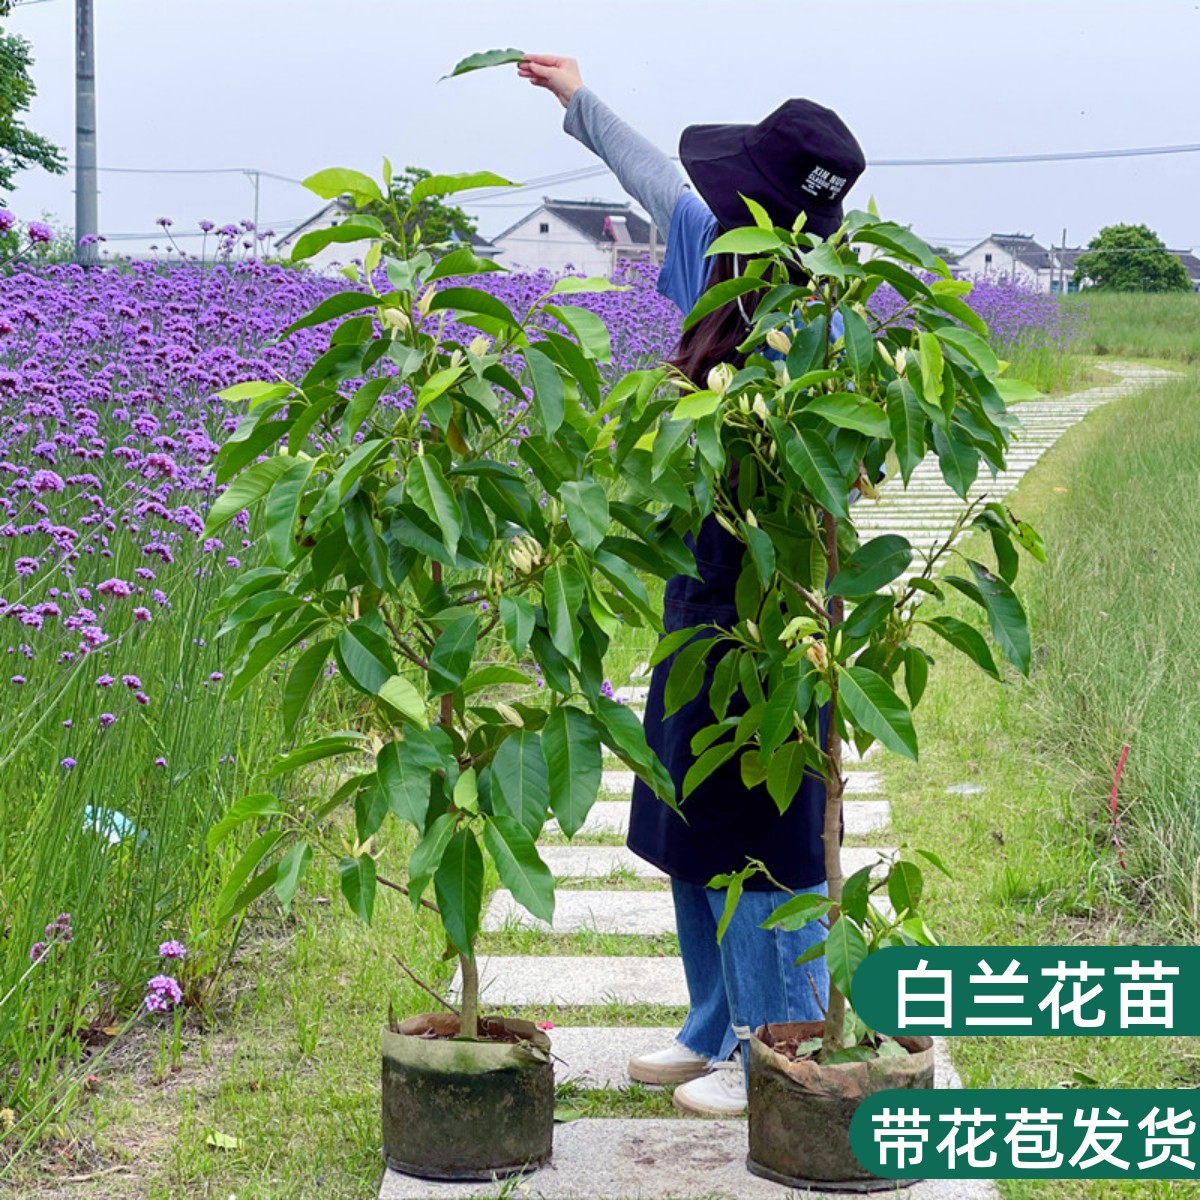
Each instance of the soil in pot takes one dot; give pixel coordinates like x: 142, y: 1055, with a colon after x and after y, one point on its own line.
x: 800, y: 1109
x: 455, y: 1108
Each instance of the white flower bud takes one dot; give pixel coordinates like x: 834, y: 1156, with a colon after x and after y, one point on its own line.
x: 752, y: 630
x: 724, y: 523
x: 760, y: 406
x: 885, y: 354
x: 719, y: 379
x: 480, y: 345
x: 396, y: 318
x: 751, y: 519
x: 510, y: 714
x: 900, y: 361
x: 778, y: 340
x: 426, y: 300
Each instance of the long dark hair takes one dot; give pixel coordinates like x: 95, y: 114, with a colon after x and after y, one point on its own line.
x: 715, y: 338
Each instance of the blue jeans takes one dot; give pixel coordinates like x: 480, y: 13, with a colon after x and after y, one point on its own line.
x: 749, y: 979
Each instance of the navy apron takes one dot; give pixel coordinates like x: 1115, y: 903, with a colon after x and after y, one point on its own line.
x: 726, y: 823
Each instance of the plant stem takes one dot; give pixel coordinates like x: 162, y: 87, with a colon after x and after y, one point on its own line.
x: 835, y: 1013
x: 468, y: 1025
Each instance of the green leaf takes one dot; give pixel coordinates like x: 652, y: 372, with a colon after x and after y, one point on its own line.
x: 695, y: 406
x: 860, y: 345
x: 404, y: 780
x: 686, y: 677
x: 257, y: 391
x: 571, y: 747
x: 904, y: 887
x: 966, y: 638
x: 586, y: 504
x: 338, y: 181
x: 733, y: 894
x: 706, y: 764
x: 856, y: 894
x: 368, y: 547
x: 403, y: 696
x: 932, y: 365
x: 458, y: 885
x: 872, y: 705
x: 452, y: 654
x: 520, y: 868
x: 848, y: 411
x: 426, y: 487
x: 785, y: 772
x: 872, y: 566
x: 916, y: 674
x: 748, y: 240
x: 845, y: 950
x: 799, y: 911
x: 427, y: 857
x: 291, y: 867
x: 518, y: 618
x: 465, y: 300
x: 808, y: 455
x: 361, y: 661
x: 228, y: 897
x: 1006, y: 616
x: 720, y: 295
x: 589, y: 329
x: 670, y: 642
x: 972, y: 347
x: 562, y: 594
x: 907, y: 421
x: 301, y: 681
x: 323, y: 747
x: 958, y: 459
x: 571, y: 284
x: 262, y: 804
x: 548, y: 392
x: 340, y: 303
x: 251, y: 485
x: 779, y: 715
x: 520, y: 780
x: 358, y: 885
x: 283, y: 509
x: 488, y: 58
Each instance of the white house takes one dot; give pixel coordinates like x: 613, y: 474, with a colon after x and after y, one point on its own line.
x: 339, y: 253
x: 1019, y: 256
x: 591, y: 236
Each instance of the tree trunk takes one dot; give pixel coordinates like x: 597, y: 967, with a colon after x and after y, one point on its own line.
x: 469, y: 1003
x: 835, y: 1012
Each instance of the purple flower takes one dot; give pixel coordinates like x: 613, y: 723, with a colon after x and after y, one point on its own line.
x: 141, y: 614
x: 68, y: 763
x: 40, y: 232
x: 141, y: 698
x: 172, y: 949
x: 37, y: 951
x: 131, y: 681
x: 18, y: 680
x: 105, y: 681
x: 107, y: 719
x: 7, y: 220
x: 162, y: 993
x: 216, y: 677
x: 160, y: 762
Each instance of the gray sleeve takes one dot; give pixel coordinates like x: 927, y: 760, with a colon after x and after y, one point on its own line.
x: 643, y: 170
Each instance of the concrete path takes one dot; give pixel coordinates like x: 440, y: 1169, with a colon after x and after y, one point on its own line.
x: 626, y: 1159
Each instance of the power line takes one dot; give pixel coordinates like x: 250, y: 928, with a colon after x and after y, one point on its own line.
x: 1060, y: 156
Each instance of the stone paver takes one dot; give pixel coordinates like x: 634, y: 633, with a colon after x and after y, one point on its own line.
x: 572, y: 980
x: 660, y: 1159
x: 639, y: 913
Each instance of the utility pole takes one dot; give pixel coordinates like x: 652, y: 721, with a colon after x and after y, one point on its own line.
x: 1062, y: 266
x: 87, y: 219
x: 256, y: 177
x: 653, y: 236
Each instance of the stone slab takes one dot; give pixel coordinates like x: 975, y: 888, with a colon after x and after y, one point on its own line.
x: 596, y: 862
x: 863, y: 783
x: 571, y: 980
x: 612, y: 816
x: 598, y: 1057
x: 644, y: 914
x: 661, y: 1159
x: 618, y: 784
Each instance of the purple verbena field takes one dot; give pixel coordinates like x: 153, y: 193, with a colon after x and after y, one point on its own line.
x: 117, y: 750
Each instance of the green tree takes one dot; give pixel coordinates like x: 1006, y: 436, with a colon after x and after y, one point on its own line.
x: 1131, y: 258
x: 437, y: 220
x: 20, y: 147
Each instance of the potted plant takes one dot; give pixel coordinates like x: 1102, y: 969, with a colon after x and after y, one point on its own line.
x: 828, y: 626
x: 432, y: 496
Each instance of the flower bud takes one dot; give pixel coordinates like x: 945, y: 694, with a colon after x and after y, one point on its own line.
x: 752, y: 630
x: 885, y: 354
x: 719, y: 379
x: 480, y: 345
x: 426, y: 300
x: 778, y: 340
x: 725, y: 524
x: 456, y: 358
x: 760, y: 406
x: 396, y: 318
x: 744, y: 403
x: 510, y: 714
x: 751, y: 519
x: 900, y: 361
x: 816, y: 654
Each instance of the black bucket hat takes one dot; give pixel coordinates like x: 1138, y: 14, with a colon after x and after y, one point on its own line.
x: 800, y: 158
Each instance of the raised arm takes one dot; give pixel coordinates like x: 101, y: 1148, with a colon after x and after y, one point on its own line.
x: 643, y: 170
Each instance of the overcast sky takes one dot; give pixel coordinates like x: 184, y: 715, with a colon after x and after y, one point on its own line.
x: 290, y: 86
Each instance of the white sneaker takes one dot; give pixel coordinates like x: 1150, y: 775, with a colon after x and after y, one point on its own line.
x: 721, y: 1093
x: 675, y: 1064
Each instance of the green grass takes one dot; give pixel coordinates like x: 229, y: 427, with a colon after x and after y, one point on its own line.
x: 586, y: 942
x: 1163, y: 327
x: 1030, y: 855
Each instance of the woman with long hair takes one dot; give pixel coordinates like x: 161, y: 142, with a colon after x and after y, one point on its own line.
x: 800, y: 158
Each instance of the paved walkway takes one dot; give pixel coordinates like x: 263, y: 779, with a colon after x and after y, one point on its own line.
x: 632, y: 1159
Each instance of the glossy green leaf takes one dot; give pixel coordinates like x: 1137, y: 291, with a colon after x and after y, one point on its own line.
x: 283, y: 509
x: 586, y: 504
x: 230, y: 898
x: 957, y: 458
x: 548, y: 392
x: 458, y: 885
x: 340, y: 304
x: 904, y: 887
x: 848, y: 411
x: 324, y: 747
x: 291, y: 869
x: 799, y: 911
x: 520, y: 780
x: 747, y: 240
x: 338, y: 181
x: 519, y: 866
x: 404, y: 782
x: 845, y: 950
x: 720, y: 295
x: 871, y: 704
x: 250, y: 486
x: 907, y: 420
x: 571, y: 746
x: 427, y: 857
x: 358, y: 885
x: 488, y: 58
x: 1006, y: 616
x: 872, y: 566
x: 708, y: 761
x: 860, y: 345
x: 590, y: 330
x: 518, y: 618
x: 465, y: 300
x: 686, y: 676
x: 562, y: 594
x: 808, y: 455
x: 785, y: 772
x: 452, y: 654
x: 403, y: 696
x: 966, y: 638
x: 248, y: 808
x: 426, y: 487
x: 368, y: 547
x: 301, y: 683
x: 361, y: 661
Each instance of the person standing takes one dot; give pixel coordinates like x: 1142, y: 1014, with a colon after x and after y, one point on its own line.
x: 801, y: 157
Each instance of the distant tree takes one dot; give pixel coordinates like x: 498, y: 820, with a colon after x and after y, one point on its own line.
x: 20, y: 147
x: 438, y: 221
x: 1131, y: 258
